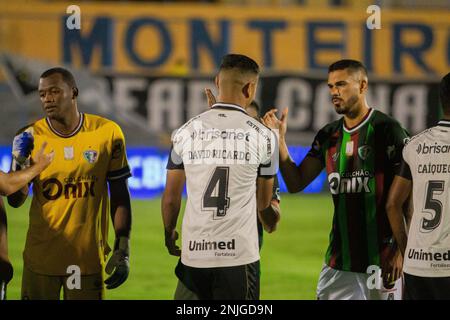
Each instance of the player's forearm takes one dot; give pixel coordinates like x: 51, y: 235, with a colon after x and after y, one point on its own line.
x: 264, y: 192
x: 398, y: 226
x: 288, y: 168
x: 14, y: 181
x: 170, y: 207
x: 122, y: 221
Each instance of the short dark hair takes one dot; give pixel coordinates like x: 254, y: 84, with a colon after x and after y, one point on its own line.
x: 66, y: 75
x: 444, y: 93
x: 254, y: 105
x: 353, y: 65
x: 239, y: 61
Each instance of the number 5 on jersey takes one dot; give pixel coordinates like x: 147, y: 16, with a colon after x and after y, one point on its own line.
x: 435, y: 187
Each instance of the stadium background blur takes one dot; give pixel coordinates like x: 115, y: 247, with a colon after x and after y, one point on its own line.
x: 144, y: 64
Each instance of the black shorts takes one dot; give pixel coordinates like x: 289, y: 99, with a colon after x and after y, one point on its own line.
x: 426, y: 288
x: 224, y: 283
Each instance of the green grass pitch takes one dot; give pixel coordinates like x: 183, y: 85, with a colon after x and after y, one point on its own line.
x: 291, y: 258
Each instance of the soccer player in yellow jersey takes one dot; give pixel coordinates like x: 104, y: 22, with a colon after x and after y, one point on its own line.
x: 68, y: 228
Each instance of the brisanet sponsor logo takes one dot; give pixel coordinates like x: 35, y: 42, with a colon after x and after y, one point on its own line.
x: 436, y: 148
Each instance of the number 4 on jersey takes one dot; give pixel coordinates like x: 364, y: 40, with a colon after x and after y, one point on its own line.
x: 220, y: 201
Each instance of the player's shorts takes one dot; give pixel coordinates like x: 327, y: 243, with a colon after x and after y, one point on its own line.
x: 225, y: 283
x: 44, y: 287
x: 426, y: 288
x: 183, y: 293
x: 343, y: 285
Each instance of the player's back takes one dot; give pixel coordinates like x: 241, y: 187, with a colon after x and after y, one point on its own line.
x: 222, y: 150
x: 428, y: 157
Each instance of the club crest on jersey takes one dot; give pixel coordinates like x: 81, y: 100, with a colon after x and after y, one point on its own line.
x: 349, y: 148
x: 68, y: 153
x: 90, y: 156
x: 364, y: 152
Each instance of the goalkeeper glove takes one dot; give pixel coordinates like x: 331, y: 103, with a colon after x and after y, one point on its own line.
x: 119, y: 263
x: 23, y: 144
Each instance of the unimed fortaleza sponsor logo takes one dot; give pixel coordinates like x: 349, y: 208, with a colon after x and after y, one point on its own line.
x: 205, y: 245
x: 422, y: 255
x: 435, y: 148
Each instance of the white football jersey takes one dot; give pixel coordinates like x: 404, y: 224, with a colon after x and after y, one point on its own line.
x: 222, y: 151
x: 428, y: 249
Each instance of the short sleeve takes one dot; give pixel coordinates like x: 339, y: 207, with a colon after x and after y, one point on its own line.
x: 175, y: 162
x: 118, y: 163
x: 269, y: 155
x: 396, y: 139
x: 404, y: 170
x: 317, y: 146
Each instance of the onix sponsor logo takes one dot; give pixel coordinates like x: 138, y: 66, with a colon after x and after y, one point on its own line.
x: 353, y: 182
x: 52, y: 189
x: 436, y: 148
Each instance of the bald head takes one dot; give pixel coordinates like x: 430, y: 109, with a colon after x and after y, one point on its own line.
x: 237, y: 79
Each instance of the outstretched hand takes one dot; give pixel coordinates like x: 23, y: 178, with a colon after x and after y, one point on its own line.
x: 270, y: 119
x: 42, y: 160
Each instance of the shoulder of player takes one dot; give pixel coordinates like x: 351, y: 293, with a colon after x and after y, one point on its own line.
x: 418, y: 138
x: 381, y: 118
x: 92, y: 121
x: 35, y: 125
x: 387, y: 124
x: 188, y: 123
x: 258, y: 127
x: 331, y: 127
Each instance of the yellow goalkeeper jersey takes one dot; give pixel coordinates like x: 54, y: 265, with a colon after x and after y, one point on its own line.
x: 69, y: 214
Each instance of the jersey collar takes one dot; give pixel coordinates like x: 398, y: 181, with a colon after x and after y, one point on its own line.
x: 229, y: 106
x: 74, y: 132
x: 362, y: 123
x: 444, y: 123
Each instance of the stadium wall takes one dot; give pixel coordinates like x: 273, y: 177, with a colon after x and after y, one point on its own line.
x: 148, y: 166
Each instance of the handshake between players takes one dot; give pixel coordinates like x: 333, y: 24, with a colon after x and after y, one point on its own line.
x: 24, y: 168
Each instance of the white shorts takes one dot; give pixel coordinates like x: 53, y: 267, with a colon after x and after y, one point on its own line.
x: 343, y: 285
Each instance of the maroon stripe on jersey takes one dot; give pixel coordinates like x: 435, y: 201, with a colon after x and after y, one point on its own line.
x: 331, y: 164
x: 355, y: 219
